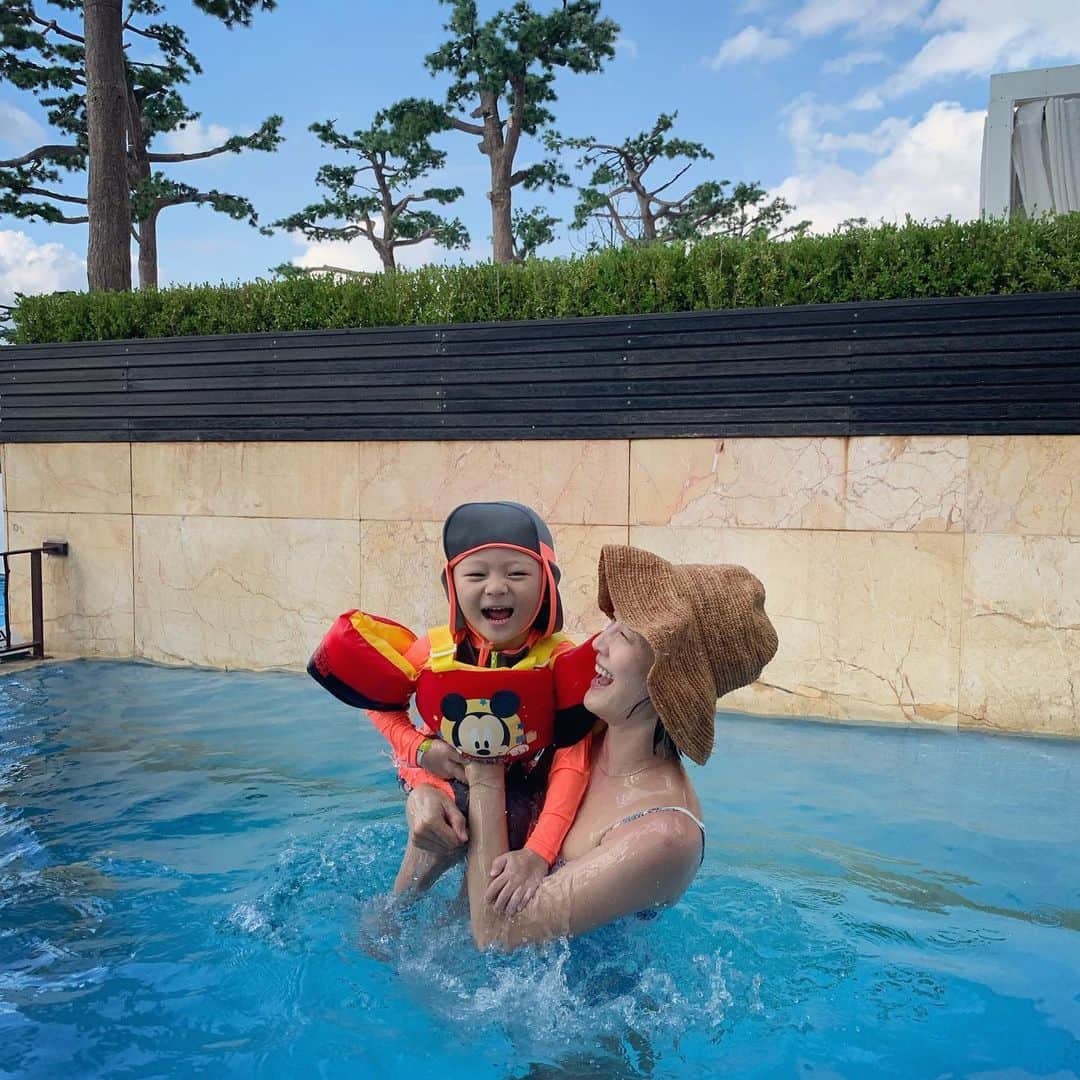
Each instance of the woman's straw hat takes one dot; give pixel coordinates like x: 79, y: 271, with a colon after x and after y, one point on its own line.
x: 708, y: 631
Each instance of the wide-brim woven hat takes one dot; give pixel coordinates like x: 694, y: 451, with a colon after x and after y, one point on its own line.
x: 708, y: 631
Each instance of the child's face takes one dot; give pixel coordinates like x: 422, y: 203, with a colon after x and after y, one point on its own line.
x: 498, y: 592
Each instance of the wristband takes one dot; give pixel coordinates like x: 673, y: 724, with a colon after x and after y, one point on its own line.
x: 422, y: 749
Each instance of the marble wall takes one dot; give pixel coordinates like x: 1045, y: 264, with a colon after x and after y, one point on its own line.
x: 916, y: 580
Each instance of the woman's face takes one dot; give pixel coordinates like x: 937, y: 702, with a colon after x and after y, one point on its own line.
x: 623, y: 661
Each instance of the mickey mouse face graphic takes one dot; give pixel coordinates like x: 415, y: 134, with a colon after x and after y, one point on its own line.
x: 482, y: 727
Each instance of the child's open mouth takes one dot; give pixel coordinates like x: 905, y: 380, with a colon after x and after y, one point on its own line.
x: 497, y: 615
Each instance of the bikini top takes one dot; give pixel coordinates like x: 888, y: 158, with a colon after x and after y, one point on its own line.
x: 560, y: 861
x: 657, y: 810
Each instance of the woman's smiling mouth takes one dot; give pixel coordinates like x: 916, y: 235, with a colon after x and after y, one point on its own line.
x: 603, y: 677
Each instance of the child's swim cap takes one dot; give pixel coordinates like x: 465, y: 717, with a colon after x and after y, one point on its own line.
x: 473, y: 526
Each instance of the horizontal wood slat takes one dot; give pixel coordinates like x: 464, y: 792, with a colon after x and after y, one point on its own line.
x: 993, y: 365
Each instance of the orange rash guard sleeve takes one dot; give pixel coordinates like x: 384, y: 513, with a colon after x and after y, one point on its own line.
x: 566, y: 785
x: 404, y: 737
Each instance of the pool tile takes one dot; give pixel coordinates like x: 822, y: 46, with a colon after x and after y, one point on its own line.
x: 750, y: 483
x: 570, y: 482
x: 906, y: 484
x: 1024, y: 484
x: 81, y: 478
x: 240, y: 592
x: 1020, y: 669
x: 247, y: 479
x: 87, y: 596
x: 402, y: 561
x: 868, y: 622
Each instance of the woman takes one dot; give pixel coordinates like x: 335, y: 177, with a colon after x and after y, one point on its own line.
x: 680, y: 637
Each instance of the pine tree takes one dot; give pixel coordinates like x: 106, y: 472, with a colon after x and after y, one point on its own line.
x: 623, y: 206
x: 380, y: 198
x: 510, y: 62
x: 109, y: 108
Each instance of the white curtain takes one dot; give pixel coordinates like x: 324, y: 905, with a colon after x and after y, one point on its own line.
x: 1063, y: 143
x: 1046, y: 156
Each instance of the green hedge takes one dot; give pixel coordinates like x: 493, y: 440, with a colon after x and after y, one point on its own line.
x: 887, y: 262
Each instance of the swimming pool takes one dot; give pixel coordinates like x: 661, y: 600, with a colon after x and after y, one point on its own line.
x: 192, y: 865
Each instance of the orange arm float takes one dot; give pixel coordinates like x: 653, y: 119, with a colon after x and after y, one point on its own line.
x: 362, y: 661
x: 396, y: 725
x: 573, y: 670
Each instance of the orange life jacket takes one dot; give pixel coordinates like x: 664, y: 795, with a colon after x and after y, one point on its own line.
x: 484, y: 713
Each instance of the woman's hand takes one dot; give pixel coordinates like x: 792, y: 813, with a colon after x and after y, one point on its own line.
x: 515, y: 877
x: 435, y: 822
x: 443, y: 760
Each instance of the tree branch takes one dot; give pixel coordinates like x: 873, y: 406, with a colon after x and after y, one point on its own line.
x: 51, y: 24
x: 198, y: 155
x: 427, y: 234
x: 664, y: 187
x: 617, y: 221
x: 53, y: 195
x: 336, y: 270
x: 142, y: 33
x: 151, y: 67
x: 516, y: 119
x: 463, y: 125
x: 50, y: 150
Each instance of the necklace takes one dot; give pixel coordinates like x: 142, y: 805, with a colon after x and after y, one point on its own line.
x: 633, y: 772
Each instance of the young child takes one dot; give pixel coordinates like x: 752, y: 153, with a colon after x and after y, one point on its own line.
x: 499, y: 682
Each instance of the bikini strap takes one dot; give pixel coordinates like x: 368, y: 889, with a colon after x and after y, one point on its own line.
x: 657, y: 810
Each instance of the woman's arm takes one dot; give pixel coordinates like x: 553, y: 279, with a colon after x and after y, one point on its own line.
x: 644, y: 864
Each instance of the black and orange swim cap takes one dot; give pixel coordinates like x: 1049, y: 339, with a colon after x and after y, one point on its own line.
x: 473, y: 526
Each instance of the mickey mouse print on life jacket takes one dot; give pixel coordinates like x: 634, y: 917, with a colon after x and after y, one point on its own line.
x: 485, y: 727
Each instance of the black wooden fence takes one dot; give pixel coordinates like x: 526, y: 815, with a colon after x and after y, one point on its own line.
x: 1002, y: 364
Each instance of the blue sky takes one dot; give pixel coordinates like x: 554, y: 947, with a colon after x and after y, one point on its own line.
x: 847, y: 107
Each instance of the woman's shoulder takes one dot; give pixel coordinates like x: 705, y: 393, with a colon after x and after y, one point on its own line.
x: 669, y: 833
x: 645, y: 863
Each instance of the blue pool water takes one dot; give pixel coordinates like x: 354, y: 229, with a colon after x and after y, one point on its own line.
x: 192, y: 867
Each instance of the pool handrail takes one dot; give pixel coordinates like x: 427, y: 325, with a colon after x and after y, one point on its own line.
x: 36, y: 645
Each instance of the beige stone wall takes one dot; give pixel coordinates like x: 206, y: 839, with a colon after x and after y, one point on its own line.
x: 926, y: 580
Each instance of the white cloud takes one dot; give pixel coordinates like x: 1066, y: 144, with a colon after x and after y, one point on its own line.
x: 360, y: 255
x: 196, y: 137
x: 861, y: 19
x: 927, y: 169
x: 844, y: 65
x: 29, y: 268
x: 804, y: 118
x: 750, y: 43
x: 348, y: 254
x: 628, y: 46
x: 884, y: 138
x: 17, y: 126
x: 981, y: 37
x: 867, y: 101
